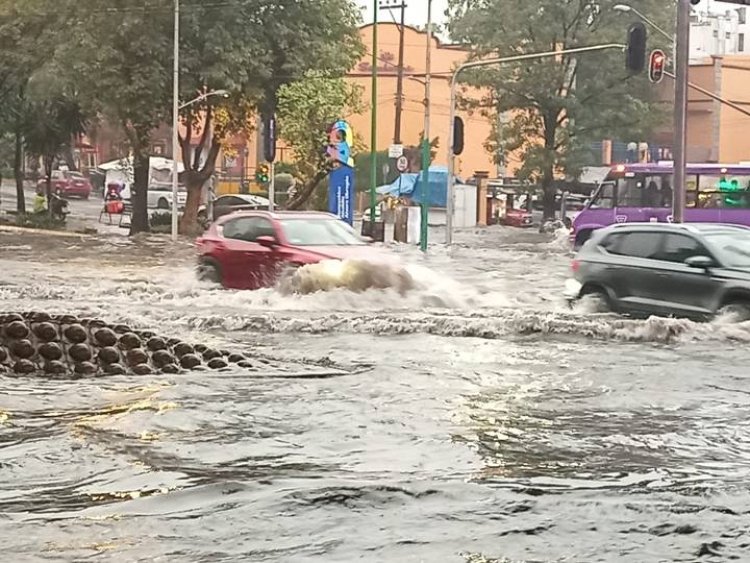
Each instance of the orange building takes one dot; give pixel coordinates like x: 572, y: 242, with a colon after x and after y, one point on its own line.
x: 445, y: 58
x: 243, y: 160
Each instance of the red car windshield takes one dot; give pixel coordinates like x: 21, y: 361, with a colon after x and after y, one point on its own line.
x: 319, y: 232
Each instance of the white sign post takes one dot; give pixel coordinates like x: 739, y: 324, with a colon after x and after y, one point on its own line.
x: 395, y: 151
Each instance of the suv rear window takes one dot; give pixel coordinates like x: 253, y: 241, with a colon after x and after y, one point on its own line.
x: 637, y: 244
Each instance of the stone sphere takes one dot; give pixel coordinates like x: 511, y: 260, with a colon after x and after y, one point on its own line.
x: 170, y: 368
x: 200, y: 348
x: 105, y: 337
x: 76, y: 333
x: 142, y: 369
x: 217, y: 363
x: 24, y: 367
x: 210, y: 354
x: 67, y: 319
x: 23, y: 349
x: 17, y: 329
x: 46, y: 331
x: 129, y: 341
x: 155, y: 343
x: 80, y: 352
x: 183, y: 348
x: 162, y: 358
x: 235, y: 358
x: 85, y: 368
x: 121, y: 329
x: 3, y: 354
x: 190, y: 361
x: 51, y: 351
x: 40, y: 317
x: 109, y: 355
x: 115, y: 369
x: 55, y: 367
x: 12, y: 317
x: 137, y: 356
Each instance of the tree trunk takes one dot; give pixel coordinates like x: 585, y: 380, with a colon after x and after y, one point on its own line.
x: 18, y: 174
x: 548, y: 172
x: 67, y: 154
x: 139, y: 222
x: 189, y: 220
x: 304, y: 194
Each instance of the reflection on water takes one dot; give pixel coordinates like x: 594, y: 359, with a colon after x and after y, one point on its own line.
x: 477, y: 420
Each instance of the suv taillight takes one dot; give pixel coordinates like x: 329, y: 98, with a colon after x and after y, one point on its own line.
x: 575, y: 266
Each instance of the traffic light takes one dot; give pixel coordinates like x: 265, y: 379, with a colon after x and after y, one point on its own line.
x: 656, y: 66
x: 635, y: 52
x: 458, y: 135
x: 269, y: 138
x: 262, y: 174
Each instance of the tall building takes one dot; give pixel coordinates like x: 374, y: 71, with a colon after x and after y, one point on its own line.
x: 714, y: 34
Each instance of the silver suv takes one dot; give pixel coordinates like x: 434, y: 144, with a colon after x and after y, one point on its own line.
x: 694, y: 270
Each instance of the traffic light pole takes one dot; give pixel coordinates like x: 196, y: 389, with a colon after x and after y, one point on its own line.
x: 271, y: 186
x: 682, y: 52
x: 451, y: 202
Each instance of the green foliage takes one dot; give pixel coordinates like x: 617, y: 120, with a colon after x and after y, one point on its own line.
x: 161, y: 218
x: 305, y: 111
x: 556, y: 106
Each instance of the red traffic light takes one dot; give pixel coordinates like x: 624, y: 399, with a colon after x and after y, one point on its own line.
x: 657, y: 62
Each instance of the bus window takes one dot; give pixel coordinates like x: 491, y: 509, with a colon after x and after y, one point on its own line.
x: 630, y: 192
x: 724, y: 191
x: 604, y: 198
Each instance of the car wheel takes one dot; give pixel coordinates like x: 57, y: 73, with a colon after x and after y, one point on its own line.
x: 162, y: 203
x: 596, y: 300
x: 209, y: 272
x: 738, y: 311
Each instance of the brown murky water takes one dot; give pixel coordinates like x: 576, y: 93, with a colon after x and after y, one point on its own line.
x: 475, y: 419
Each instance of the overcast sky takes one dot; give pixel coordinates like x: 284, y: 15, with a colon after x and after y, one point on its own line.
x: 416, y: 11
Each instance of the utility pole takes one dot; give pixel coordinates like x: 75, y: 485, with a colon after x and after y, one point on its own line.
x: 388, y: 5
x: 682, y: 52
x: 374, y: 116
x: 175, y: 119
x: 426, y: 143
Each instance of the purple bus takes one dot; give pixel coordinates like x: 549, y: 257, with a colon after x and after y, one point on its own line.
x: 716, y: 193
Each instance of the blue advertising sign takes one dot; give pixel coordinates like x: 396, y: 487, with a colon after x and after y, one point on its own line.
x: 341, y: 193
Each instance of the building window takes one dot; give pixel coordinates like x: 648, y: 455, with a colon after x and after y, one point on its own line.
x: 728, y: 35
x: 742, y: 13
x: 716, y: 32
x: 741, y: 42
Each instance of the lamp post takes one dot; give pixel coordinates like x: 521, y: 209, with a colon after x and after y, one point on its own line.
x: 374, y: 116
x: 625, y: 8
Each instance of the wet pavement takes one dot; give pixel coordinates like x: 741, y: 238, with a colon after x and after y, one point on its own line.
x: 476, y: 419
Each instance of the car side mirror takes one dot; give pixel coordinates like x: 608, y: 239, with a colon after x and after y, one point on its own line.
x: 701, y: 262
x: 268, y: 242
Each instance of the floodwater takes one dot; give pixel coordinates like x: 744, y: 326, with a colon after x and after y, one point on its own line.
x: 474, y: 419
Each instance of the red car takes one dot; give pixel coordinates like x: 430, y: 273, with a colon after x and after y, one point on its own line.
x: 254, y: 249
x: 69, y: 184
x: 517, y: 218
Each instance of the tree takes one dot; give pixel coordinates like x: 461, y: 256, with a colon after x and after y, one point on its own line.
x: 120, y: 60
x: 26, y: 29
x: 554, y: 106
x: 305, y: 111
x: 253, y: 51
x: 51, y: 125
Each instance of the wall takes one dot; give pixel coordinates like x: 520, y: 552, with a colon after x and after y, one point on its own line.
x: 444, y: 59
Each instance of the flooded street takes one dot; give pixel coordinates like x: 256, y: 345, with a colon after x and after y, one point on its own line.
x: 477, y: 418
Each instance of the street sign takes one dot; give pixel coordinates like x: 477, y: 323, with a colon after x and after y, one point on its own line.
x: 394, y: 151
x: 402, y: 164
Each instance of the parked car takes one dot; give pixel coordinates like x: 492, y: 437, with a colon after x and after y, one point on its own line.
x: 69, y: 184
x: 517, y: 218
x: 692, y: 270
x: 225, y: 204
x: 254, y: 249
x: 159, y: 196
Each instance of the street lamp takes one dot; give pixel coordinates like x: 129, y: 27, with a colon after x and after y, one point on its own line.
x: 625, y: 8
x: 222, y: 93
